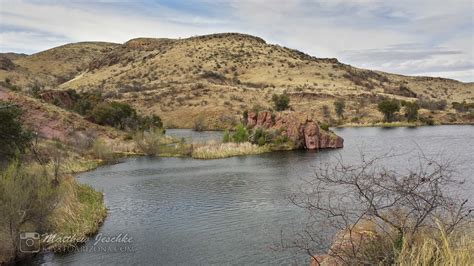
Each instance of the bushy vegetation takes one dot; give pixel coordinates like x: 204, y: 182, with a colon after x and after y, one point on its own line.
x: 115, y: 114
x: 432, y: 105
x: 154, y: 142
x: 27, y: 197
x: 13, y: 137
x: 388, y: 108
x: 199, y: 124
x: 281, y: 102
x: 379, y: 216
x: 463, y: 106
x: 241, y: 134
x: 411, y: 111
x: 339, y: 106
x: 93, y: 107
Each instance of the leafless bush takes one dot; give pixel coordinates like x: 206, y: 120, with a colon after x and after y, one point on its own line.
x: 342, y: 199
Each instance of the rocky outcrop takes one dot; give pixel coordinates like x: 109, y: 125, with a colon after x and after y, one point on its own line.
x: 60, y: 98
x: 6, y: 63
x: 299, y: 128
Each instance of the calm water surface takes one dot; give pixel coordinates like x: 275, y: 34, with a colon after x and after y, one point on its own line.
x: 231, y: 211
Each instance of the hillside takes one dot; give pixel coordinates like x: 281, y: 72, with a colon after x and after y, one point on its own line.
x: 52, y: 67
x: 52, y: 122
x: 216, y: 77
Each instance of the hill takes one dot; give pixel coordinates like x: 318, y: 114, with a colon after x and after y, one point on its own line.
x: 51, y: 122
x: 52, y: 67
x: 214, y: 78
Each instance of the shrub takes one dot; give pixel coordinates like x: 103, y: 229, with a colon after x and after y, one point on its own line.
x: 411, y: 111
x: 226, y: 137
x: 432, y: 105
x: 199, y: 124
x: 240, y: 134
x: 427, y: 120
x: 324, y: 126
x: 245, y: 116
x: 281, y: 102
x: 150, y: 122
x: 463, y: 107
x: 150, y: 142
x: 101, y: 150
x: 26, y: 197
x: 13, y: 137
x: 112, y: 114
x: 259, y: 137
x: 388, y: 108
x: 339, y: 106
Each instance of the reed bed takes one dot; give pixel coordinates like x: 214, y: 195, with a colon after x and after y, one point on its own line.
x: 224, y: 150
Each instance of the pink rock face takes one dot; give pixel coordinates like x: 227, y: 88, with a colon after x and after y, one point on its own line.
x: 302, y: 131
x: 264, y: 119
x: 252, y: 119
x: 311, y: 135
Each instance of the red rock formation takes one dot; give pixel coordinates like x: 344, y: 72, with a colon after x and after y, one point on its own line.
x: 300, y: 129
x: 61, y: 98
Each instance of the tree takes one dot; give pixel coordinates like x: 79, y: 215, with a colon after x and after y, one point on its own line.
x: 339, y: 106
x: 411, y: 111
x: 398, y: 207
x: 13, y: 137
x: 281, y: 102
x: 113, y: 114
x: 240, y: 134
x: 388, y: 108
x: 150, y: 122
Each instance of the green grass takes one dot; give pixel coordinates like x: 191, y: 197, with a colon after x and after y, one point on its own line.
x: 80, y: 213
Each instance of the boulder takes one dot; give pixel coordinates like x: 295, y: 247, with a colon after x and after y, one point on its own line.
x: 299, y: 128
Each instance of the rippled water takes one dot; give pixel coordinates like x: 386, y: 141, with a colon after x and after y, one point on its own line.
x: 231, y: 211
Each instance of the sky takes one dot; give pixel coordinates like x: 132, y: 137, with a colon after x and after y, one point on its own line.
x: 412, y: 37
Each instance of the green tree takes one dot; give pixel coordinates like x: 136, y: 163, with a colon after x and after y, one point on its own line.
x: 149, y: 122
x: 113, y: 114
x: 13, y: 137
x: 281, y: 102
x: 388, y: 108
x: 339, y: 106
x: 241, y: 134
x: 411, y: 111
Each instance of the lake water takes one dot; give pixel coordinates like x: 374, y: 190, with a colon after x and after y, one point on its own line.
x: 231, y: 211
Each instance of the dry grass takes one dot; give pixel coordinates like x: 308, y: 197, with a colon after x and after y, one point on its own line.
x: 223, y: 150
x: 246, y: 71
x: 80, y: 212
x: 436, y: 247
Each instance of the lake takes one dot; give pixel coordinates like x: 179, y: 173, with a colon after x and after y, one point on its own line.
x: 231, y: 211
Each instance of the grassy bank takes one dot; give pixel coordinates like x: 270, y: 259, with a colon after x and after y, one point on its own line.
x: 223, y: 150
x: 34, y: 199
x: 80, y: 213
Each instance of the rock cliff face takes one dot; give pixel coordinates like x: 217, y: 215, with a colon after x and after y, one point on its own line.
x: 303, y: 131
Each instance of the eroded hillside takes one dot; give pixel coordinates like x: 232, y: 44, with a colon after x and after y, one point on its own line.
x: 217, y: 77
